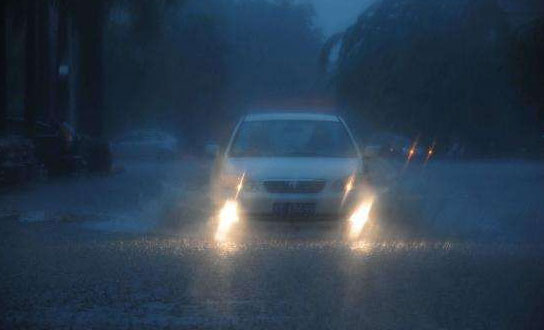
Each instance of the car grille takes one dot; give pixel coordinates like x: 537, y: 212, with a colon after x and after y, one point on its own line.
x: 294, y: 186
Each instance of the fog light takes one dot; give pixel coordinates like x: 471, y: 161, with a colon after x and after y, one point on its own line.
x: 228, y: 216
x: 359, y: 218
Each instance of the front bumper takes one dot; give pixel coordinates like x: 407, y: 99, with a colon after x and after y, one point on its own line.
x: 328, y: 204
x: 263, y: 203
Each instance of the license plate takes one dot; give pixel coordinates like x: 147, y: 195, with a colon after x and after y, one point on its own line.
x: 286, y: 210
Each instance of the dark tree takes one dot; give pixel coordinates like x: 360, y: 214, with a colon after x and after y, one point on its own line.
x: 435, y: 68
x: 45, y: 76
x: 528, y: 53
x: 89, y: 17
x: 31, y: 85
x: 3, y: 66
x: 63, y: 53
x: 190, y: 66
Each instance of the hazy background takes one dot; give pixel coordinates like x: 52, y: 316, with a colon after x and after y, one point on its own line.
x: 334, y: 16
x: 455, y: 72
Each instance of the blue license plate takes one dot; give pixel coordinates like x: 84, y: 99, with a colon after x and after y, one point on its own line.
x: 289, y: 210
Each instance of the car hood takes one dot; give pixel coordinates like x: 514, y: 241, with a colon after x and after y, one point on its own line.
x: 293, y: 168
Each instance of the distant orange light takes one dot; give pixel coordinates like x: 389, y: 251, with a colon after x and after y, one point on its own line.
x: 430, y: 152
x: 411, y: 152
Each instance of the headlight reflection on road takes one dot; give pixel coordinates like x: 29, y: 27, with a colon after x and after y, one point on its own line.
x: 228, y: 216
x: 359, y: 218
x: 229, y: 213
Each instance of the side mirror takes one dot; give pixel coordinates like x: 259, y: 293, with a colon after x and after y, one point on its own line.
x: 371, y: 151
x: 212, y: 150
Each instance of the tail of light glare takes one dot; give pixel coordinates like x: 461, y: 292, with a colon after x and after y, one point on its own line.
x: 228, y: 216
x: 359, y: 218
x: 240, y: 185
x: 347, y: 188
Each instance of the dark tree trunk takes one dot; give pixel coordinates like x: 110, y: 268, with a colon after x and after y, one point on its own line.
x: 53, y: 60
x: 31, y: 95
x: 3, y: 67
x: 43, y: 59
x: 63, y: 94
x: 90, y: 101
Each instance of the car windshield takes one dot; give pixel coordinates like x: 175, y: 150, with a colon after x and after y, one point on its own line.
x: 292, y: 138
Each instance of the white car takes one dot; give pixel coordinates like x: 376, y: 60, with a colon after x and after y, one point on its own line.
x: 290, y: 165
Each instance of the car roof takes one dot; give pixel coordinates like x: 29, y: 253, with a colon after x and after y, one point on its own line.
x: 291, y: 116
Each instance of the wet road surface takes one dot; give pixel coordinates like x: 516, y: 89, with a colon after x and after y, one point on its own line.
x: 440, y: 252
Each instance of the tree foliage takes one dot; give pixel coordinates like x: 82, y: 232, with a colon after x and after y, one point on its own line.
x: 439, y: 69
x: 192, y: 64
x: 527, y: 55
x: 179, y: 64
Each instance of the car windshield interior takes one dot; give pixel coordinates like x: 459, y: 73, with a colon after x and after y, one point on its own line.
x: 292, y: 138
